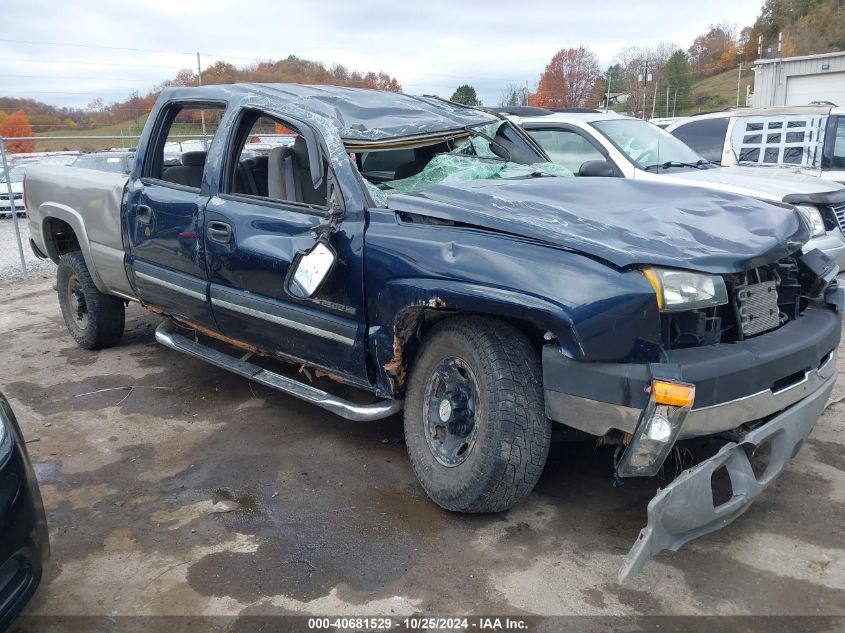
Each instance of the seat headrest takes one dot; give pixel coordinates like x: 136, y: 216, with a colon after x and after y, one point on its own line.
x: 276, y: 153
x: 300, y: 150
x: 193, y: 159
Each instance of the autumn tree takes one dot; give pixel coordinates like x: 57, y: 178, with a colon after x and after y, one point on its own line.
x: 714, y: 51
x: 16, y: 124
x: 569, y: 80
x: 465, y: 94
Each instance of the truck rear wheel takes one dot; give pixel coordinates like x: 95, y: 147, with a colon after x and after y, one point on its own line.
x: 475, y: 423
x: 95, y: 320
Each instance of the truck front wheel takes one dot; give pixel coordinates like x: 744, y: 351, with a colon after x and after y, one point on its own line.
x: 475, y: 423
x: 95, y: 320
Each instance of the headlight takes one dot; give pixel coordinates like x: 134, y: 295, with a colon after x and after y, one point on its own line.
x: 814, y: 218
x: 680, y: 290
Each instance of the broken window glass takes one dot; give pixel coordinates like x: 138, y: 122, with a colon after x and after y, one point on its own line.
x: 455, y: 167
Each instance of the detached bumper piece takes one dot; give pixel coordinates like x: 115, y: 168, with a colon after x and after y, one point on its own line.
x: 685, y: 509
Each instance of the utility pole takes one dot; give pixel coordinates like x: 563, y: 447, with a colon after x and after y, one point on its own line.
x: 645, y: 78
x: 199, y: 83
x: 667, y: 98
x: 738, y: 76
x: 654, y: 100
x: 607, y: 96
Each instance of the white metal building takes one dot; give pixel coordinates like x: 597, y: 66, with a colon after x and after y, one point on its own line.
x: 799, y: 80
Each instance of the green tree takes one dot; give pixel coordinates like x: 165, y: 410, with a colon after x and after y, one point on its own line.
x: 465, y: 94
x: 679, y: 81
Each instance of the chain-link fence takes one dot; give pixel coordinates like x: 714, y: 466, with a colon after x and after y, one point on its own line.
x: 14, y: 232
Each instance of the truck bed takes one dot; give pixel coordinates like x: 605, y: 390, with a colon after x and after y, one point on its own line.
x: 89, y: 201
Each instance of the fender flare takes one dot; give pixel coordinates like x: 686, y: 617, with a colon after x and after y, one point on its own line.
x: 69, y: 215
x: 403, y: 303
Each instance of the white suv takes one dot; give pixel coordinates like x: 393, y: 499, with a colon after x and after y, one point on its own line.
x: 608, y: 144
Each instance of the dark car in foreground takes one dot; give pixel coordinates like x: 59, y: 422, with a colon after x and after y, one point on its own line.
x: 24, y: 544
x: 431, y: 256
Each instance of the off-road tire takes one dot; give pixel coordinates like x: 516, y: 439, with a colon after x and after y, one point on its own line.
x: 513, y: 433
x: 106, y: 315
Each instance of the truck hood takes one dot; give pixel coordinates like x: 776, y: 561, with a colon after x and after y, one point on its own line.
x: 623, y: 222
x: 753, y: 181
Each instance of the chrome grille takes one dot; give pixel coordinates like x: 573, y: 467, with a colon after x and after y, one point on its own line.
x: 839, y: 212
x: 758, y: 307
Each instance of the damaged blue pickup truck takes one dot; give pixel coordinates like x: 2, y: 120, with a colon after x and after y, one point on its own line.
x: 413, y: 253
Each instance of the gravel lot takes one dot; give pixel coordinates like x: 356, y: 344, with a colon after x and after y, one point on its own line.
x: 10, y: 261
x: 327, y: 515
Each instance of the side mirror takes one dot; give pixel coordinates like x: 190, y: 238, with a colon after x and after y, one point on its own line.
x: 310, y: 269
x: 596, y: 168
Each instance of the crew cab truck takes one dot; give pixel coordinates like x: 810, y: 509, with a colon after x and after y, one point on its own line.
x: 475, y: 283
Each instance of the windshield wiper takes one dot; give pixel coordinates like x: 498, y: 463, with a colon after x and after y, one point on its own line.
x: 676, y: 163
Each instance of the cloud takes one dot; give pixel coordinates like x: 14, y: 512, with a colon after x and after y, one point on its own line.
x: 430, y: 47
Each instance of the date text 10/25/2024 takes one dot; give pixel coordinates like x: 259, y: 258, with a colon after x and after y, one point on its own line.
x: 418, y: 623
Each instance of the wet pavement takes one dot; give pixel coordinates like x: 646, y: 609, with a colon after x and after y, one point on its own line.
x: 139, y: 450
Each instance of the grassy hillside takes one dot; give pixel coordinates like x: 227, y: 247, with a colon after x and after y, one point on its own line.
x: 126, y: 128
x: 717, y: 92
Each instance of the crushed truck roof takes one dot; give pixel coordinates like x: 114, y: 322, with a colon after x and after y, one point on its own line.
x: 361, y: 115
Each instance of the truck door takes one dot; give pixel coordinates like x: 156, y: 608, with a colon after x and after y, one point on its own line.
x: 265, y: 212
x: 165, y: 208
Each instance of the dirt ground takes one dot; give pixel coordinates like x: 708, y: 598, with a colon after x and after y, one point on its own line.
x: 134, y: 446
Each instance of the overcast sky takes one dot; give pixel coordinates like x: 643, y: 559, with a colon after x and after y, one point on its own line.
x: 430, y: 47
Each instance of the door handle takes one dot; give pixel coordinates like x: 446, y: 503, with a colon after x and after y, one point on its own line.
x: 219, y: 232
x: 144, y: 214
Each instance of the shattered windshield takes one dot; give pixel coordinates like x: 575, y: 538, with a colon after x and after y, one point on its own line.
x: 489, y: 151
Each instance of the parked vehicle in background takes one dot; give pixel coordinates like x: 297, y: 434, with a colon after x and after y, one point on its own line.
x: 602, y: 144
x: 15, y: 176
x: 664, y: 122
x: 24, y: 542
x: 117, y: 162
x: 477, y: 285
x: 45, y: 158
x: 805, y: 139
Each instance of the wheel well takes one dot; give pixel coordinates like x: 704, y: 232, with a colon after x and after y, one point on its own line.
x: 60, y: 237
x: 413, y: 324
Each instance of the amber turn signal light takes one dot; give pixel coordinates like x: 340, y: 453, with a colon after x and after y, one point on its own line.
x: 673, y: 394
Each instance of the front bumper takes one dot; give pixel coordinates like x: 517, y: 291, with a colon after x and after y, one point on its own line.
x: 685, y: 509
x: 780, y: 381
x: 735, y: 383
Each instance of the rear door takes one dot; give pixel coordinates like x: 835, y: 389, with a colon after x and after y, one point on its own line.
x: 165, y: 211
x: 258, y: 221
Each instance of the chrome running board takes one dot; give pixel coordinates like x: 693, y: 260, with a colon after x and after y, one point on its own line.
x: 167, y: 335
